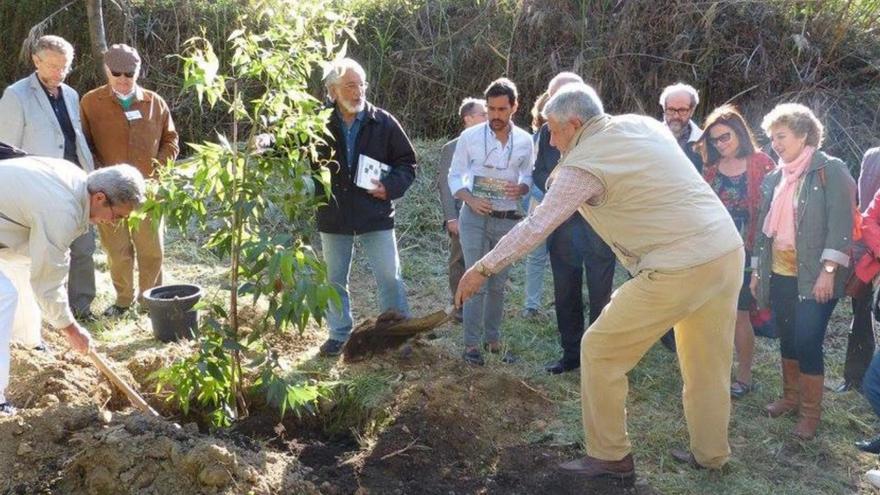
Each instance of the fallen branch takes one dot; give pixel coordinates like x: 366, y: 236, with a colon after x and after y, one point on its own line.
x: 401, y: 451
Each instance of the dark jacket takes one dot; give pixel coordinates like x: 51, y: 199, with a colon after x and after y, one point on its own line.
x: 824, y: 225
x: 352, y: 210
x: 545, y: 162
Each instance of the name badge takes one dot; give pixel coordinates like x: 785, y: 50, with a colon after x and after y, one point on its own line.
x: 133, y: 115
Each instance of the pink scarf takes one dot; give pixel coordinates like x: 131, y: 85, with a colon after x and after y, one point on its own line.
x: 780, y: 221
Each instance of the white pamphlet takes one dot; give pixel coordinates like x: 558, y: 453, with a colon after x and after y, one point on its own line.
x: 369, y: 169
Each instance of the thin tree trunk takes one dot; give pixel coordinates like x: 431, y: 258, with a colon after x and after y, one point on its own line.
x: 95, y: 11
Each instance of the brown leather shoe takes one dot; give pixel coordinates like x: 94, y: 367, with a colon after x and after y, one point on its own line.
x: 686, y: 457
x: 596, y: 468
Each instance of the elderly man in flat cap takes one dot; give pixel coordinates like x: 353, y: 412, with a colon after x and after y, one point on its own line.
x: 125, y: 123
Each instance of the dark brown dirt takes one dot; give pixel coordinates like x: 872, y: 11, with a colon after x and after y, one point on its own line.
x: 458, y: 432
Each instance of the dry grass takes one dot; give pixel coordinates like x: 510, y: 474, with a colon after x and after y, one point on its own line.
x: 423, y: 57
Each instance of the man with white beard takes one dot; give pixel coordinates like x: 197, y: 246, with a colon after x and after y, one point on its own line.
x: 364, y: 138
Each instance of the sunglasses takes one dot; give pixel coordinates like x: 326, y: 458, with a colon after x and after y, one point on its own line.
x: 129, y: 75
x: 721, y: 139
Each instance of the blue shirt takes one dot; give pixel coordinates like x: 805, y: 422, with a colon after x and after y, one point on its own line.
x: 351, y: 133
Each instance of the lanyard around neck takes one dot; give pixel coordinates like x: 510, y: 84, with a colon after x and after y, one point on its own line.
x: 486, y: 147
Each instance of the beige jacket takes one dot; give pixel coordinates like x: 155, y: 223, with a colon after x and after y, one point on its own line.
x: 657, y: 212
x: 44, y: 206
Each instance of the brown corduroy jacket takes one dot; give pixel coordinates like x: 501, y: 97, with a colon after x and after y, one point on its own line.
x: 145, y: 141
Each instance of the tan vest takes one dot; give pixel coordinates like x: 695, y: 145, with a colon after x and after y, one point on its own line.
x: 657, y: 212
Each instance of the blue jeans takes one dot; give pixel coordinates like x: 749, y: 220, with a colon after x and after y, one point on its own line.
x: 483, y: 312
x: 574, y: 247
x: 801, y: 324
x: 536, y: 261
x: 536, y: 264
x: 871, y: 384
x: 381, y: 251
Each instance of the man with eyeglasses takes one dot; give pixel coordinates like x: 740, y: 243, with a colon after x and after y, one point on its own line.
x: 471, y: 112
x: 362, y: 135
x: 46, y: 203
x: 491, y: 170
x: 40, y: 115
x: 125, y: 123
x: 679, y: 102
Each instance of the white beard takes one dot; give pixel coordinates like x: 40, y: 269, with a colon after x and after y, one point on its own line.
x: 352, y: 109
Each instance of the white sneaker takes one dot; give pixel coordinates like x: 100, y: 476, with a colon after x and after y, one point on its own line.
x: 873, y: 477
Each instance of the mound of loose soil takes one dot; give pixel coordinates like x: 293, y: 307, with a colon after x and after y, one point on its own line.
x: 67, y: 438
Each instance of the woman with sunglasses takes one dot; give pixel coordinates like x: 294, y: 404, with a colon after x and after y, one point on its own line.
x: 735, y: 168
x: 803, y: 254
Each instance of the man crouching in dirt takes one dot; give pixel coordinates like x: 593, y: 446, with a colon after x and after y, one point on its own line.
x: 46, y: 203
x: 629, y: 178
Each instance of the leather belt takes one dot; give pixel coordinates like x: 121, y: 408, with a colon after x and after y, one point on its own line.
x: 506, y: 215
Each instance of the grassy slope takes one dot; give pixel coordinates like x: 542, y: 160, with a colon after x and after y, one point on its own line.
x: 766, y: 459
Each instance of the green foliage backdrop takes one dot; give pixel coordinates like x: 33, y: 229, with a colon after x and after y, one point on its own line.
x: 423, y: 56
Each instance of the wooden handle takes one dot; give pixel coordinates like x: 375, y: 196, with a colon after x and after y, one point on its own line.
x: 133, y: 397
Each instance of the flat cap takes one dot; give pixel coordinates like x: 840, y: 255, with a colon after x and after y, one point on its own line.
x: 122, y: 58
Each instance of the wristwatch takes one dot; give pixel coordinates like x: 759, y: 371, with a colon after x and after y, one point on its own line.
x: 482, y: 270
x: 829, y: 267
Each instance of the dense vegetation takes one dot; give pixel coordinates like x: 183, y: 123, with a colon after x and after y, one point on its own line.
x: 423, y: 56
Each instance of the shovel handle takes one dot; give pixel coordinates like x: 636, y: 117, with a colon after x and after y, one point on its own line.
x: 133, y: 397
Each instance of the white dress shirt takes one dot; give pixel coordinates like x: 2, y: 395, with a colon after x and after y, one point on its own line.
x: 479, y: 153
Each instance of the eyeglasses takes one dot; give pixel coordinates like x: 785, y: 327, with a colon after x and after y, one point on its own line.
x: 63, y: 69
x: 354, y: 85
x: 682, y: 112
x: 721, y: 139
x: 129, y: 75
x: 116, y: 216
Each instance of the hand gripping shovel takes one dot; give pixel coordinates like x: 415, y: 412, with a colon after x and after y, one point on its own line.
x: 133, y: 397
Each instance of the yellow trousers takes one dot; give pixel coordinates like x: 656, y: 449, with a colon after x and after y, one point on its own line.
x: 700, y: 303
x: 123, y: 246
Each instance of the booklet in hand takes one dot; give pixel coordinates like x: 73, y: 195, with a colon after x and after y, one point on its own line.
x: 489, y: 188
x: 369, y: 169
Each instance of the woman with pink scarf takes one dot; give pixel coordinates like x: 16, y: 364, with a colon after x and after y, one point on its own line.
x: 803, y: 254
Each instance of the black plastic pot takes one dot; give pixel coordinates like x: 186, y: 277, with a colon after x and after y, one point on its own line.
x: 171, y: 311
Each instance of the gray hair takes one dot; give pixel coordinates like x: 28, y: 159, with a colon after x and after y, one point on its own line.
x: 799, y: 118
x: 680, y: 88
x: 334, y: 72
x: 55, y: 44
x: 574, y: 100
x: 562, y: 79
x: 122, y: 184
x: 468, y: 104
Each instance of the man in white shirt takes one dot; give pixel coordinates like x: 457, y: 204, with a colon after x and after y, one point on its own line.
x: 491, y: 170
x: 46, y: 203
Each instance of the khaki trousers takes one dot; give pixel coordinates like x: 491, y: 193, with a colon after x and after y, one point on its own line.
x: 700, y: 302
x: 123, y: 245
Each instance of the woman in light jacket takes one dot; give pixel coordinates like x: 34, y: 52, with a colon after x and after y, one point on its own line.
x: 803, y: 254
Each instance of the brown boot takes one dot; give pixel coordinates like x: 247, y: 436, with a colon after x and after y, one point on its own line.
x: 791, y: 370
x: 812, y: 387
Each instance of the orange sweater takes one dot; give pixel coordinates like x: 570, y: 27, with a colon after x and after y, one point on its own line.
x: 146, y: 139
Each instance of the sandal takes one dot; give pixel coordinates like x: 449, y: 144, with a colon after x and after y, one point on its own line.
x: 739, y: 389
